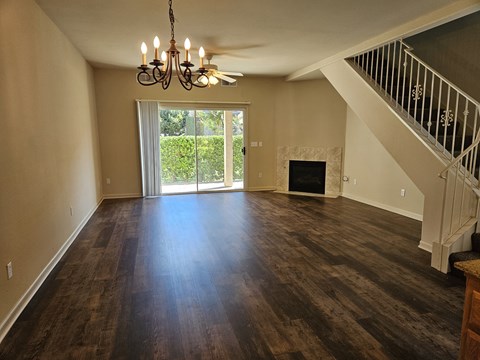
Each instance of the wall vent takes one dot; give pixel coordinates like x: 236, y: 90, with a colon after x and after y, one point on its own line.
x: 228, y: 84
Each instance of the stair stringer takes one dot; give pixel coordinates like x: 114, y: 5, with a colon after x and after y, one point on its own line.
x: 419, y: 160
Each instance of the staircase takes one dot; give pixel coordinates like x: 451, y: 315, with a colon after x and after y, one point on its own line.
x: 446, y: 115
x: 446, y: 120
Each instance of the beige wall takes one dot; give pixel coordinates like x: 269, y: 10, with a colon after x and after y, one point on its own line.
x: 310, y: 114
x: 116, y: 93
x: 379, y: 177
x: 48, y: 145
x: 417, y: 160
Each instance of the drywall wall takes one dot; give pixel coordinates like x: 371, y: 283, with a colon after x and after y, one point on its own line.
x: 118, y: 125
x: 453, y: 49
x: 49, y: 152
x: 310, y: 114
x: 306, y: 113
x: 374, y: 175
x: 420, y: 162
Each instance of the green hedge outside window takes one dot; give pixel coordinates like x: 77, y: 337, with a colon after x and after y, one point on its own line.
x: 178, y: 159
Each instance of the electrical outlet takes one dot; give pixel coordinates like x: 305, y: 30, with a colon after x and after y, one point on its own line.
x: 260, y: 144
x: 260, y: 174
x: 402, y: 192
x: 354, y: 181
x: 9, y: 270
x: 108, y: 181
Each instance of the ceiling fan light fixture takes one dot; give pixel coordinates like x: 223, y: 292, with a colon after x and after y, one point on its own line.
x: 203, y: 80
x: 213, y: 80
x: 162, y: 70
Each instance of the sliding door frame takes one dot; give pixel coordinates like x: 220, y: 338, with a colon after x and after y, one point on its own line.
x: 226, y: 106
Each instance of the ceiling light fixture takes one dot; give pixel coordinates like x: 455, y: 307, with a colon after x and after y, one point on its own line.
x: 162, y: 70
x: 208, y: 80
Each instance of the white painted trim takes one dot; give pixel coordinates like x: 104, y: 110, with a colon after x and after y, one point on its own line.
x: 186, y: 102
x: 425, y: 246
x: 262, y: 188
x: 393, y: 209
x: 8, y: 322
x: 122, y: 196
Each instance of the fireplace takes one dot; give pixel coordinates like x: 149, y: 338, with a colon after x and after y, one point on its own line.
x: 307, y: 176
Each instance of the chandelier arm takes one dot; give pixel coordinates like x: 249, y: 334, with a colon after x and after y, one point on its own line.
x: 178, y: 71
x: 186, y: 85
x: 168, y: 71
x: 149, y: 77
x: 199, y: 84
x: 156, y: 70
x: 184, y: 80
x: 187, y: 74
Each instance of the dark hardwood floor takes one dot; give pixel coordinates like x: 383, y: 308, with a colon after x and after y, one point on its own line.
x: 242, y: 276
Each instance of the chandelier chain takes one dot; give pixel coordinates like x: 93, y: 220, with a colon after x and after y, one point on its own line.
x: 172, y: 19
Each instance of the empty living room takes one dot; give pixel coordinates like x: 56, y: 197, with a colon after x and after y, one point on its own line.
x: 239, y: 180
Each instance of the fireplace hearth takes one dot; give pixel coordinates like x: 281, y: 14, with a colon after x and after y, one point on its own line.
x: 307, y: 176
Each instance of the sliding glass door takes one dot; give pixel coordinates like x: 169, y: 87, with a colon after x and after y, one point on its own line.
x: 201, y: 150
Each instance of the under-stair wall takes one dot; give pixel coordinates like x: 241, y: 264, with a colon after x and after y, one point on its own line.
x: 421, y: 162
x: 447, y: 119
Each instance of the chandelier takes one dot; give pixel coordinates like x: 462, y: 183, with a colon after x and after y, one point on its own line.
x: 162, y: 70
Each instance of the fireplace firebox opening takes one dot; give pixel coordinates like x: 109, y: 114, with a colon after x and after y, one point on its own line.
x: 307, y: 176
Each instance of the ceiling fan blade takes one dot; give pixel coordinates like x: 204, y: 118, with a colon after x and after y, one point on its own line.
x: 230, y: 73
x: 224, y: 77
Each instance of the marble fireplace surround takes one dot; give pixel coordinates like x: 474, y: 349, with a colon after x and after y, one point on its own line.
x: 332, y: 156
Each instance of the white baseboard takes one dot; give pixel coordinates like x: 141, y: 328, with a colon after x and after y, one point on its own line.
x: 425, y: 246
x: 393, y: 209
x: 8, y: 322
x: 122, y: 196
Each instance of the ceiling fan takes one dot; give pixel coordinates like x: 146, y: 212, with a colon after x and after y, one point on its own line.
x: 214, y: 74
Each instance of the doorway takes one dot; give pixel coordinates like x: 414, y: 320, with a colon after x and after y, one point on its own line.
x: 201, y: 150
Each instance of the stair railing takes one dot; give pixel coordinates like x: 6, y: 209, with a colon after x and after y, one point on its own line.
x: 444, y: 113
x: 461, y: 190
x: 446, y: 116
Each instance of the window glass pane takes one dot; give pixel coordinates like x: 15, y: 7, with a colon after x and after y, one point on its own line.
x: 177, y: 149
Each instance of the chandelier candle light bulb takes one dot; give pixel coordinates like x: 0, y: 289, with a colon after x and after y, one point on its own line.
x: 201, y: 53
x: 156, y: 45
x: 164, y: 60
x: 143, y: 48
x: 187, y: 47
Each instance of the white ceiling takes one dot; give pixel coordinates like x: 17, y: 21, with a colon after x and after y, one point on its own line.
x: 256, y: 37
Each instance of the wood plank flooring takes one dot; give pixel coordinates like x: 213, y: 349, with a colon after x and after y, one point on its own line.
x: 242, y: 276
